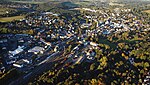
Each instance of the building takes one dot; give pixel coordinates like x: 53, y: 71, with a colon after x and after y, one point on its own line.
x: 131, y: 60
x: 18, y: 65
x: 93, y: 44
x: 21, y: 63
x: 36, y: 50
x: 10, y: 61
x: 2, y: 70
x: 3, y: 41
x: 85, y: 25
x: 17, y: 51
x: 106, y: 32
x: 56, y: 48
x: 79, y: 60
x: 47, y: 43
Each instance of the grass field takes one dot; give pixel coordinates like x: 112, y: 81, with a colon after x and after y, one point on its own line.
x: 82, y: 3
x: 147, y: 11
x: 9, y: 19
x: 115, y: 4
x: 30, y: 2
x: 4, y: 10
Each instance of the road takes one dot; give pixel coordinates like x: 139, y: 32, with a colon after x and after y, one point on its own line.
x: 23, y: 80
x: 43, y: 66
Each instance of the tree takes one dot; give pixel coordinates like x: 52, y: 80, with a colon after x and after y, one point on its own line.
x: 103, y: 61
x: 92, y: 66
x: 126, y: 47
x: 30, y: 32
x: 121, y: 45
x: 11, y: 74
x: 146, y: 65
x: 107, y: 46
x: 93, y: 81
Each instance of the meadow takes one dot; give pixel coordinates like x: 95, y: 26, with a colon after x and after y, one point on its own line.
x: 147, y: 11
x: 5, y: 10
x: 9, y: 19
x: 30, y: 2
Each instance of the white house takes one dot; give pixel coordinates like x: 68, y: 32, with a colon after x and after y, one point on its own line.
x: 21, y: 63
x: 17, y: 65
x: 17, y: 51
x: 36, y: 50
x: 93, y: 44
x: 56, y: 48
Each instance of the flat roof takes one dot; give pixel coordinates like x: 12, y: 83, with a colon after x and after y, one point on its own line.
x: 36, y: 49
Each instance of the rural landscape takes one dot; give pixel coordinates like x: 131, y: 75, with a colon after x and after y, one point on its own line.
x: 75, y: 42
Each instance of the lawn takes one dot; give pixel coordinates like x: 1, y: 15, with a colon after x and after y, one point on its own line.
x: 9, y: 19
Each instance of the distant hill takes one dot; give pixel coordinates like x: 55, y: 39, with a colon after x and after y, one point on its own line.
x: 26, y: 0
x: 77, y: 0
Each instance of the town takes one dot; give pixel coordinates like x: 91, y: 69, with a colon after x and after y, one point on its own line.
x: 32, y: 45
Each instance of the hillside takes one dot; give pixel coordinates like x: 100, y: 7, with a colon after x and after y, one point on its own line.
x: 77, y: 0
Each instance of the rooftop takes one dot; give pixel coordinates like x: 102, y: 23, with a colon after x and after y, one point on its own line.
x: 36, y: 49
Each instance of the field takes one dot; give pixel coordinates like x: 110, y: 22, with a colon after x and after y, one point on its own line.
x: 9, y: 19
x: 5, y: 10
x: 30, y: 2
x: 147, y: 11
x: 115, y: 4
x: 148, y: 5
x: 82, y: 3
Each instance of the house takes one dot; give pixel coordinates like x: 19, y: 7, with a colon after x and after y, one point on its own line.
x: 147, y: 79
x: 90, y: 54
x: 17, y: 51
x: 10, y: 61
x: 56, y: 48
x: 21, y: 41
x: 106, y: 32
x: 90, y: 58
x: 36, y: 50
x: 89, y: 17
x: 2, y: 69
x: 85, y: 43
x: 47, y: 43
x: 131, y: 60
x: 3, y: 41
x: 93, y: 44
x: 21, y: 63
x: 85, y: 25
x: 18, y: 65
x: 76, y: 48
x: 79, y: 60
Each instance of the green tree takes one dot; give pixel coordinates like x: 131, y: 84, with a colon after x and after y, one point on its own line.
x: 92, y: 66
